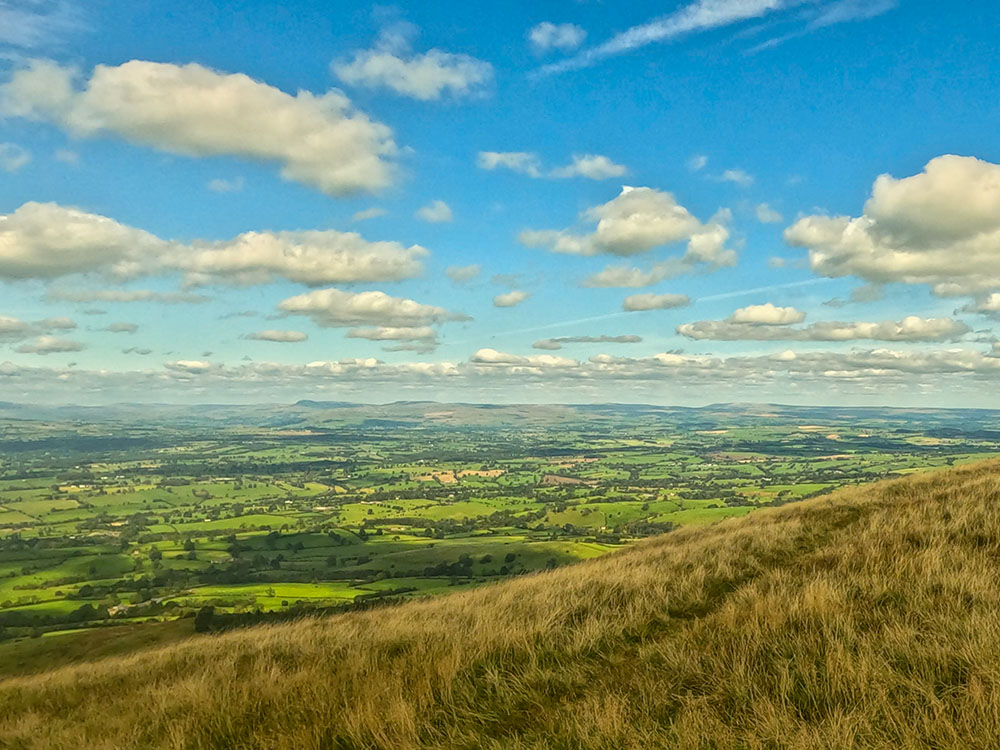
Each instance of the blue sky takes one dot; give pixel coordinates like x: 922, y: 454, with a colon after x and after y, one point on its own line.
x: 784, y: 200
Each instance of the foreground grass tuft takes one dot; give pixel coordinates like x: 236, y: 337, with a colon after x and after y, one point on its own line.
x: 869, y: 618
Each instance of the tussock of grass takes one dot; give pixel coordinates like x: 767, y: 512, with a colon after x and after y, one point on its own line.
x: 869, y: 618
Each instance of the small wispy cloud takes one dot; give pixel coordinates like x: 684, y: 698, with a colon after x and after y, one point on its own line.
x: 708, y: 15
x: 702, y: 15
x: 33, y: 24
x: 831, y: 14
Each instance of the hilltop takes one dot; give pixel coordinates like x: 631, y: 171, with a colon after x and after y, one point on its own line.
x: 865, y: 618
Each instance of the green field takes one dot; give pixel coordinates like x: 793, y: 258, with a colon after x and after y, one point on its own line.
x: 118, y: 520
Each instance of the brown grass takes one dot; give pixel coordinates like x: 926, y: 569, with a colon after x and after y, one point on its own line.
x: 869, y: 618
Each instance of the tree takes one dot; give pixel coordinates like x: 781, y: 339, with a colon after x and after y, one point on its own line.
x: 203, y: 619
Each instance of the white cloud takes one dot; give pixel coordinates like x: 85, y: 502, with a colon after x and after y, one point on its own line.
x: 873, y: 373
x: 701, y: 15
x: 319, y: 140
x: 766, y: 315
x: 221, y: 185
x: 590, y: 166
x: 435, y: 212
x: 462, y: 274
x: 38, y: 23
x: 392, y: 64
x: 510, y: 299
x: 15, y: 329
x: 280, y: 337
x: 559, y: 342
x: 312, y: 258
x: 45, y: 241
x: 737, y: 176
x: 697, y: 162
x: 420, y: 339
x: 122, y: 328
x: 491, y: 357
x: 638, y: 220
x: 49, y: 345
x: 632, y: 277
x: 548, y: 36
x: 911, y: 328
x: 13, y: 157
x: 334, y: 308
x: 767, y: 215
x: 639, y: 302
x: 368, y: 213
x: 985, y: 305
x: 126, y: 296
x: 516, y: 161
x: 913, y: 230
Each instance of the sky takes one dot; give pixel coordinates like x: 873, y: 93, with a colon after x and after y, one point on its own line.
x: 792, y: 201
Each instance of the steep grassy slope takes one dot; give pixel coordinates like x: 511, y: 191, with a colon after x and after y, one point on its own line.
x: 865, y: 619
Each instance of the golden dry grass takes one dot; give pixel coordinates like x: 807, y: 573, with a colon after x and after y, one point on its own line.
x: 865, y: 619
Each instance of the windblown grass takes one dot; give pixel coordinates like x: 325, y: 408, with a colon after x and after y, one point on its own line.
x: 869, y: 618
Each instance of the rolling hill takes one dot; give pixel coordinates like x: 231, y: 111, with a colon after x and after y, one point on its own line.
x: 868, y: 618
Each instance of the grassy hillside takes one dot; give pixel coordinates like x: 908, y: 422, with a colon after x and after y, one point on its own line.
x: 869, y: 618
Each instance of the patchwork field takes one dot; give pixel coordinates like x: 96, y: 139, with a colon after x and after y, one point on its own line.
x: 255, y: 513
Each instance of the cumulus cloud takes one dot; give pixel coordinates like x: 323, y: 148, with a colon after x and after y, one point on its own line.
x: 548, y: 36
x: 911, y: 328
x: 421, y: 339
x: 768, y: 314
x: 335, y: 308
x: 122, y: 328
x: 767, y: 215
x: 516, y: 161
x: 45, y: 241
x: 394, y: 333
x: 736, y: 176
x: 913, y: 229
x: 15, y: 329
x: 125, y: 296
x: 368, y: 213
x: 590, y: 166
x: 637, y: 221
x: 639, y: 302
x: 462, y: 274
x: 633, y: 277
x: 392, y: 64
x: 491, y: 357
x: 559, y: 342
x: 312, y: 258
x: 280, y: 337
x: 872, y: 372
x: 49, y: 345
x: 510, y: 299
x: 988, y: 305
x: 13, y: 157
x: 435, y: 212
x: 318, y: 140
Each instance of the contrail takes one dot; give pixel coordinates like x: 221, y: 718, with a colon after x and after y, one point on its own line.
x: 609, y: 316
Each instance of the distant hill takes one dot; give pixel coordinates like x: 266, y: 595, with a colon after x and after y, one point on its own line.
x: 868, y: 618
x: 421, y: 414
